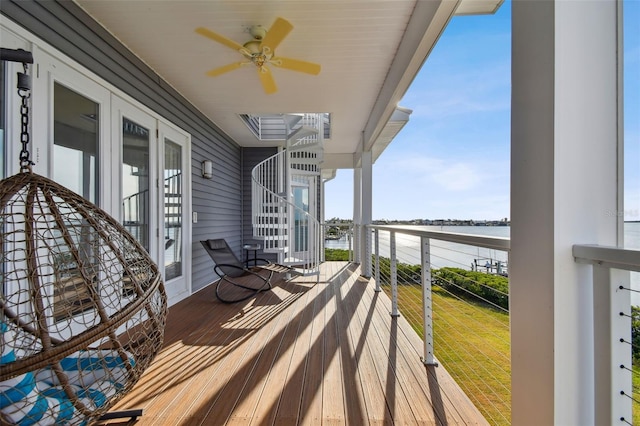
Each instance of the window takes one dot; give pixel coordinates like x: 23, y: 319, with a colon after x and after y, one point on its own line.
x: 172, y: 209
x: 75, y: 165
x: 135, y: 180
x: 75, y: 135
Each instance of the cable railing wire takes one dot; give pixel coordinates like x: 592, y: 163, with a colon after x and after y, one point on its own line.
x: 483, y: 389
x: 408, y: 251
x: 634, y: 348
x: 490, y: 380
x: 630, y: 397
x: 481, y: 284
x: 633, y: 372
x: 471, y: 255
x: 479, y: 365
x: 468, y: 388
x: 471, y: 293
x: 454, y: 262
x: 405, y: 278
x: 629, y: 289
x: 460, y: 324
x: 412, y: 243
x: 487, y: 318
x: 472, y: 369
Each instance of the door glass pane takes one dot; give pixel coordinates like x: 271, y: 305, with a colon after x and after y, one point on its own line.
x: 172, y: 209
x: 75, y: 139
x: 135, y: 181
x: 3, y: 113
x: 301, y: 222
x: 75, y: 150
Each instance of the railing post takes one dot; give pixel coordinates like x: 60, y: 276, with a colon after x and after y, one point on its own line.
x: 367, y: 251
x: 357, y: 258
x: 612, y: 346
x: 350, y: 242
x: 427, y: 312
x: 394, y: 274
x: 322, y: 241
x: 376, y: 242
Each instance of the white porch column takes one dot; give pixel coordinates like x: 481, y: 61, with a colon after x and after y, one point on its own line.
x: 366, y: 211
x: 566, y: 188
x: 357, y: 212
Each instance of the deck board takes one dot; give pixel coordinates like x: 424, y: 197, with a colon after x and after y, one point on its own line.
x: 274, y: 387
x: 288, y: 408
x: 333, y: 393
x: 381, y: 340
x: 360, y: 329
x: 310, y: 412
x: 305, y: 353
x: 407, y: 362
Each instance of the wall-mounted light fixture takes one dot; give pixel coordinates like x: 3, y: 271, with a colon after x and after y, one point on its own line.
x: 207, y: 169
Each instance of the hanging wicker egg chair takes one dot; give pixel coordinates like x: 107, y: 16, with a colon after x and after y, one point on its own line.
x: 82, y: 305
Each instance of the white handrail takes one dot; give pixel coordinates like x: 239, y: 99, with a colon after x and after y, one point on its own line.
x: 495, y: 243
x: 608, y: 256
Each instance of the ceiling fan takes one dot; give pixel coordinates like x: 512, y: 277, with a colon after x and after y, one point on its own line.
x: 260, y: 51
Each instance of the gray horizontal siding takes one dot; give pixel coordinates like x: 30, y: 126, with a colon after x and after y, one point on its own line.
x: 218, y: 202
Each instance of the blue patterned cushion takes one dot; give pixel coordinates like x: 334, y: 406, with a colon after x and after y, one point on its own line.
x: 38, y: 398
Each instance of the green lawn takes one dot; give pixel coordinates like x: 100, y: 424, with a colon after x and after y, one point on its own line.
x: 636, y: 394
x: 472, y: 342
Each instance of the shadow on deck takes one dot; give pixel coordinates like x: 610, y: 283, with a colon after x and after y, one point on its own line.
x: 303, y: 353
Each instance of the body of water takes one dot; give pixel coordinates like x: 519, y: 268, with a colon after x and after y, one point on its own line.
x: 444, y: 253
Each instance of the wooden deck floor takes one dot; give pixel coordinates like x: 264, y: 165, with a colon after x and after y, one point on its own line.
x: 303, y: 353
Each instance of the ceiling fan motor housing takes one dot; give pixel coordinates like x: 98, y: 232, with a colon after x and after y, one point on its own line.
x: 258, y: 32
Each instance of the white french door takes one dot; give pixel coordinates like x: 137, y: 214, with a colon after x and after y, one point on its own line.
x: 153, y: 178
x: 173, y: 205
x: 120, y: 156
x: 97, y: 141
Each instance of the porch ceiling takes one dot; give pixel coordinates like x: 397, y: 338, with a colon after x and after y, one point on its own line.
x: 369, y: 51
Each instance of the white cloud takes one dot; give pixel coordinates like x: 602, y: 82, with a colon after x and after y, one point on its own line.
x: 457, y: 177
x: 458, y: 92
x: 433, y: 172
x: 427, y: 187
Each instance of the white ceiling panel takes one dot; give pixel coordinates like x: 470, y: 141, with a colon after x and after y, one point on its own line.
x: 354, y: 41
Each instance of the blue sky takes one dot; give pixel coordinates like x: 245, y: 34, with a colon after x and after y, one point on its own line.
x: 452, y: 159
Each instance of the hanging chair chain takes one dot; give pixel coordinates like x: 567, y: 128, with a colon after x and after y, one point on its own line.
x: 24, y: 91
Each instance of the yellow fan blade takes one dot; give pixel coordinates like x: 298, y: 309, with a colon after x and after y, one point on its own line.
x: 219, y: 38
x: 278, y: 31
x: 296, y: 65
x: 221, y: 70
x: 266, y: 78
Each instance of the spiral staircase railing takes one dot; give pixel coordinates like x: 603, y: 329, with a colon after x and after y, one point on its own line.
x: 284, y: 228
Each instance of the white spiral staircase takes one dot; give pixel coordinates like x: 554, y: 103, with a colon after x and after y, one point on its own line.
x: 285, y: 200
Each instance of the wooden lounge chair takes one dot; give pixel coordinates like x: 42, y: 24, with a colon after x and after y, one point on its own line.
x: 237, y: 281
